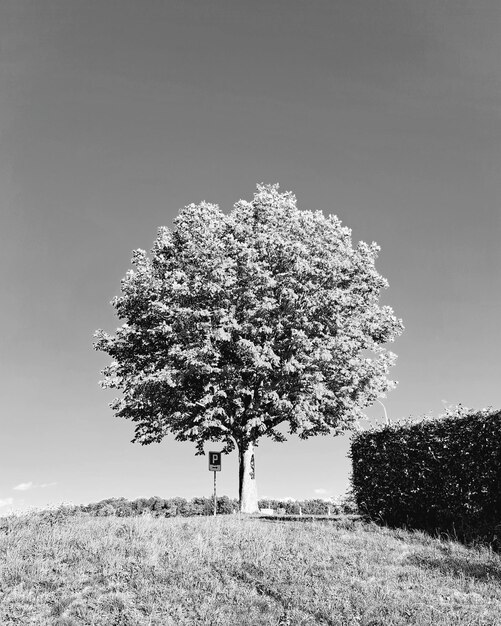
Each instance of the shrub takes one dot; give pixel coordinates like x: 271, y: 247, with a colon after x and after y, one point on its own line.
x: 292, y: 508
x: 225, y: 506
x: 105, y: 510
x: 348, y: 504
x: 315, y: 507
x: 270, y: 504
x: 441, y: 475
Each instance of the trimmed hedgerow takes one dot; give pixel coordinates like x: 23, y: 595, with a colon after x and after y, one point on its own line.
x: 440, y: 476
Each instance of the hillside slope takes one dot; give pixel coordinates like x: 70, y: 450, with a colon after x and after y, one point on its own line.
x: 151, y: 571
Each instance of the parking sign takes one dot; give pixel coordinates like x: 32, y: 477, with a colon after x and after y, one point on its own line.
x: 214, y: 461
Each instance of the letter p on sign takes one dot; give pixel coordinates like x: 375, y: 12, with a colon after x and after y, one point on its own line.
x: 214, y: 461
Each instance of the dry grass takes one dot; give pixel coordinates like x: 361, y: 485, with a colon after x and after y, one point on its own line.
x: 230, y: 571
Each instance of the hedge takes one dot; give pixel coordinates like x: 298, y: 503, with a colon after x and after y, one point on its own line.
x: 440, y: 476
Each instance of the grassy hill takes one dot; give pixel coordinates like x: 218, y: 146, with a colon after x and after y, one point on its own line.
x: 77, y: 570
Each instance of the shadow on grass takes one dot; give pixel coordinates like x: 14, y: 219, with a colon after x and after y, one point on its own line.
x: 484, y: 537
x: 338, y: 519
x: 456, y: 565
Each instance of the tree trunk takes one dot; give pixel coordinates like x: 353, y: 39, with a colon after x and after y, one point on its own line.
x: 247, y: 487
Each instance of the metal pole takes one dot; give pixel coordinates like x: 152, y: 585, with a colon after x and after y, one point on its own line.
x: 215, y: 498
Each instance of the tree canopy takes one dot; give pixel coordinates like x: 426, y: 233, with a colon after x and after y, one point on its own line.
x: 241, y: 322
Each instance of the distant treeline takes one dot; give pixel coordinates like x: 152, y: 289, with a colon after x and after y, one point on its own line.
x: 172, y: 507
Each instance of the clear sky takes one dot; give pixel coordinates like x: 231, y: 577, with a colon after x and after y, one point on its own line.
x: 115, y: 114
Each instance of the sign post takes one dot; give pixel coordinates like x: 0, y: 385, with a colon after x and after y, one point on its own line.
x: 215, y: 466
x: 215, y: 497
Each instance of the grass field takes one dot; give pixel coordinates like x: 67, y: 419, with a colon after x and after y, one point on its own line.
x: 230, y: 571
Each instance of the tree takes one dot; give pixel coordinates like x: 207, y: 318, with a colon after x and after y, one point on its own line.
x: 242, y: 323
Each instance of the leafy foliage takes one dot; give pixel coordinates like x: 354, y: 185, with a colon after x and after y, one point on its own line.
x: 241, y: 322
x: 180, y: 507
x: 311, y: 507
x: 160, y: 507
x: 440, y: 475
